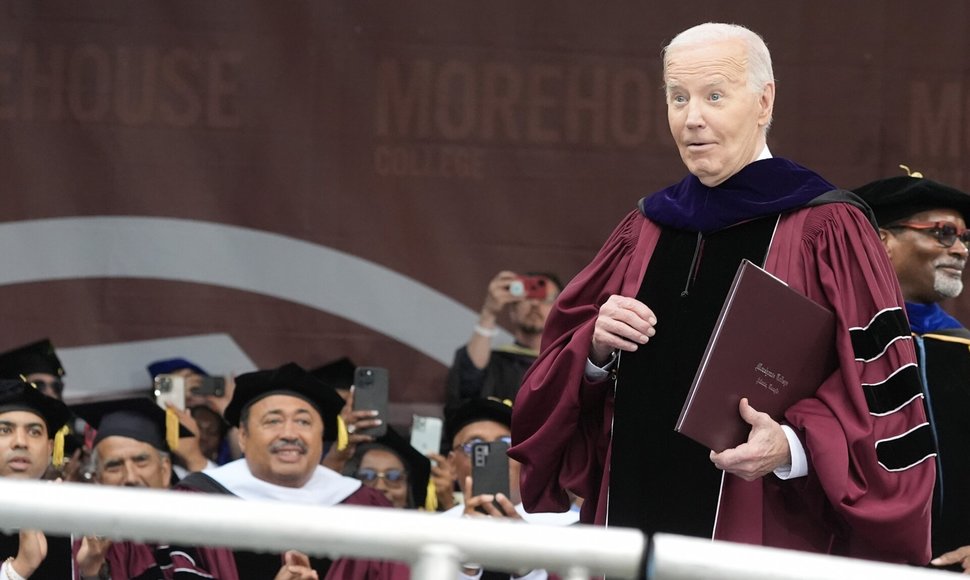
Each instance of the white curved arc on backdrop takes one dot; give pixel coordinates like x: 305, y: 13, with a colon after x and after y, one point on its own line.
x: 241, y: 258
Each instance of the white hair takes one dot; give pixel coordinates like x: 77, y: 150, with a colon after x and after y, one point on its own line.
x: 759, y: 59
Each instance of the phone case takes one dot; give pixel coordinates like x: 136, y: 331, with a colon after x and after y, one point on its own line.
x: 371, y: 392
x: 170, y: 389
x: 215, y: 386
x: 490, y: 468
x: 426, y: 434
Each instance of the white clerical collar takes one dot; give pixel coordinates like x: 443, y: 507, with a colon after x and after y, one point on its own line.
x: 326, y: 487
x: 765, y: 154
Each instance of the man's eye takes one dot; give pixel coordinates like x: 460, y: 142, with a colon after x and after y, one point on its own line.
x: 716, y: 97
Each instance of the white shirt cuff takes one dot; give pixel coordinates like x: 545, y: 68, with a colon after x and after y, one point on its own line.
x: 595, y: 374
x: 799, y: 461
x: 534, y: 575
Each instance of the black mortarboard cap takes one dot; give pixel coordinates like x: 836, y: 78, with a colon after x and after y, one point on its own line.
x: 16, y: 395
x: 289, y: 379
x: 472, y: 410
x: 138, y: 418
x: 418, y: 466
x: 897, y: 198
x: 170, y: 365
x: 339, y: 373
x: 36, y: 357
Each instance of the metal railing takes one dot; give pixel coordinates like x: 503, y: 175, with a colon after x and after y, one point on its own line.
x: 681, y: 558
x: 433, y: 545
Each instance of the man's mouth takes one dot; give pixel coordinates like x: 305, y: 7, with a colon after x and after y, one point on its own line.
x: 19, y: 463
x: 952, y: 269
x: 289, y: 453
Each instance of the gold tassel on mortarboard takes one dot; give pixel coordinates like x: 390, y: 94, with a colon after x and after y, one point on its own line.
x: 57, y: 456
x: 431, y: 499
x: 342, y: 438
x: 910, y: 173
x: 171, y: 428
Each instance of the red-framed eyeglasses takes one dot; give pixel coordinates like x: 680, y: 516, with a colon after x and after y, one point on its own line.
x: 947, y: 233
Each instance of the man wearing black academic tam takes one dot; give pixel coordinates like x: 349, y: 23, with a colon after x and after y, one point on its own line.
x: 923, y: 226
x: 38, y: 363
x: 132, y: 445
x: 596, y: 412
x: 30, y: 433
x: 284, y: 415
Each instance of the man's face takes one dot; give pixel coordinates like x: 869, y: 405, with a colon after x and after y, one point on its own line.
x: 127, y: 462
x: 192, y: 380
x: 381, y: 461
x: 210, y: 430
x: 530, y: 315
x: 928, y: 272
x: 716, y: 119
x: 25, y: 450
x: 45, y: 383
x: 282, y: 440
x: 484, y: 431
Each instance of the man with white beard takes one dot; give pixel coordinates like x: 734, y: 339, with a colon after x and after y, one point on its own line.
x: 923, y: 225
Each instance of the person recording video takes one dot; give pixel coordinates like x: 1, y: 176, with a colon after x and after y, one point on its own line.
x: 481, y: 371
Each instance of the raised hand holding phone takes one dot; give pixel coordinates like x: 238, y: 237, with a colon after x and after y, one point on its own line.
x: 371, y: 394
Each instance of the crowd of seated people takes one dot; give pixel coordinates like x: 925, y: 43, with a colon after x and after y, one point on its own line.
x: 283, y: 433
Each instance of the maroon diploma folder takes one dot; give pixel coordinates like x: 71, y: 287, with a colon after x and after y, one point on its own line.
x: 771, y: 344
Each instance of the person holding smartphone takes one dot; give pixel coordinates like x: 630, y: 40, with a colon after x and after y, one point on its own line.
x: 479, y: 370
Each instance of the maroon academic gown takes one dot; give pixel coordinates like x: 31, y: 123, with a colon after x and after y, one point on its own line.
x: 135, y: 561
x: 849, y: 504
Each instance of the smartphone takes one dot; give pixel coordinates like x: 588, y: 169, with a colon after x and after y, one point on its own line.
x: 530, y: 287
x: 371, y: 393
x: 426, y: 434
x: 490, y: 469
x: 215, y: 386
x: 170, y: 389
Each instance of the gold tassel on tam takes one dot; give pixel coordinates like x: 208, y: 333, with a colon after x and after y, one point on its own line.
x: 57, y: 457
x: 171, y: 429
x: 431, y: 499
x: 342, y: 438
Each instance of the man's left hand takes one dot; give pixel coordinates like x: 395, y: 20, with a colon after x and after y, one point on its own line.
x: 959, y: 556
x: 766, y: 448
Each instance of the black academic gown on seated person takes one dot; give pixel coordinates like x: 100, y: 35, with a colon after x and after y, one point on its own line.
x: 58, y: 564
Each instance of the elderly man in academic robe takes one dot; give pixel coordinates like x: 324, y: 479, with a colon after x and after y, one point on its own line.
x: 843, y: 472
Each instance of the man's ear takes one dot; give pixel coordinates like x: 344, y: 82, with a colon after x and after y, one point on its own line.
x: 767, y: 102
x: 167, y: 468
x: 243, y: 437
x: 888, y: 240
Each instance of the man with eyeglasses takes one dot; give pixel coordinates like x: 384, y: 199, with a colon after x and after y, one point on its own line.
x: 923, y: 226
x: 489, y: 420
x: 479, y: 370
x: 37, y: 363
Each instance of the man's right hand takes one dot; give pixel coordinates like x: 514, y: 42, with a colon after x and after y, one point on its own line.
x: 623, y: 323
x: 296, y: 566
x: 33, y: 550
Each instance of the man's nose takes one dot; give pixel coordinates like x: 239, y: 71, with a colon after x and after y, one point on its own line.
x: 20, y: 438
x: 130, y: 477
x: 960, y: 248
x: 695, y: 113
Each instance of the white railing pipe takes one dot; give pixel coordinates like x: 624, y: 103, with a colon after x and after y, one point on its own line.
x: 682, y: 558
x: 360, y: 532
